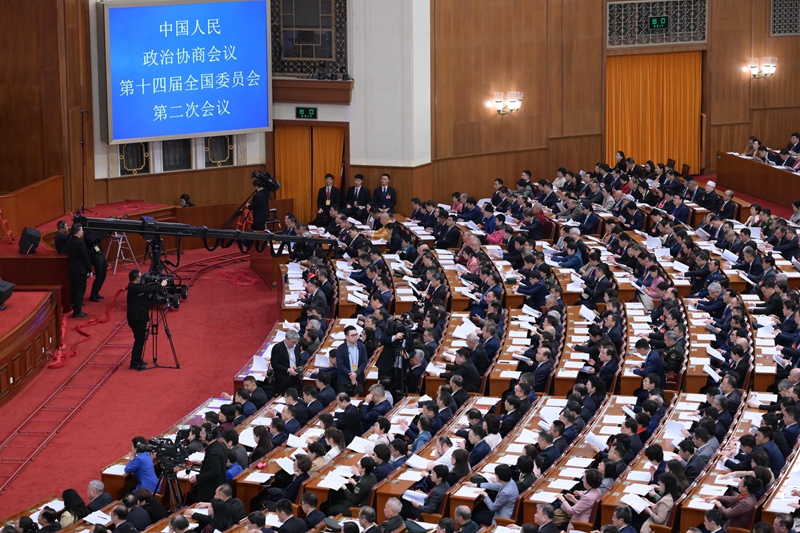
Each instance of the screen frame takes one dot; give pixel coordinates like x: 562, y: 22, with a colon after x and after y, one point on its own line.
x: 104, y: 78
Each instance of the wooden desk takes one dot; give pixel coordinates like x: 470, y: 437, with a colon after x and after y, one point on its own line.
x: 609, y: 413
x: 690, y: 514
x: 53, y: 501
x: 394, y: 487
x: 756, y: 179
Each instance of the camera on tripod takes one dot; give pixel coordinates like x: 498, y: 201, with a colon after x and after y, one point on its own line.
x: 404, y: 324
x: 169, y: 295
x: 267, y: 182
x: 168, y: 452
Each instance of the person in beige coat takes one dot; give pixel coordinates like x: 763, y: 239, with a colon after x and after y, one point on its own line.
x: 659, y: 512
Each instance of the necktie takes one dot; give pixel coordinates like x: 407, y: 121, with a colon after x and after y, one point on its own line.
x: 359, y: 188
x: 384, y: 190
x: 328, y: 192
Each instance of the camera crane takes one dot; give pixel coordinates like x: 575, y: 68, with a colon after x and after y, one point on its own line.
x: 153, y: 230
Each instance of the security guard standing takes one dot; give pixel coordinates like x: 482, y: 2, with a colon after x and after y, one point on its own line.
x: 62, y: 236
x: 99, y: 262
x: 79, y: 267
x: 139, y: 314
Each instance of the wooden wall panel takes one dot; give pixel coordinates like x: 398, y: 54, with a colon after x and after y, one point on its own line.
x: 582, y: 41
x: 774, y: 126
x: 480, y: 48
x: 575, y: 153
x: 30, y: 95
x: 33, y: 205
x: 206, y: 187
x: 727, y: 138
x: 729, y: 48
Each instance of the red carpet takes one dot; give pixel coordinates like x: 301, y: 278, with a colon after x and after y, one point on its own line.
x: 215, y: 331
x: 114, y: 209
x: 19, y: 306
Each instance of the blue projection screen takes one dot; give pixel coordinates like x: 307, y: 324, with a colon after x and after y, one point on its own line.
x: 180, y: 70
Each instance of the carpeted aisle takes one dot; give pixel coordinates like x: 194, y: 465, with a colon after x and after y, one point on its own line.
x: 215, y: 331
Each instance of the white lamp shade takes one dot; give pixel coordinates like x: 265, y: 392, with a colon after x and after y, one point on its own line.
x: 770, y: 65
x: 753, y: 66
x: 498, y: 101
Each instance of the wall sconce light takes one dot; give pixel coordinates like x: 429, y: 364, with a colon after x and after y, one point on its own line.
x: 513, y: 103
x: 769, y: 65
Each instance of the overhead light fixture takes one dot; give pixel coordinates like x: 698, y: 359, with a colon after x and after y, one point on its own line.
x: 768, y: 67
x: 511, y: 105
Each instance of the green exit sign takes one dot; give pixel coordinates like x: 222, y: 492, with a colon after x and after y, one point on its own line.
x: 659, y: 23
x: 305, y: 112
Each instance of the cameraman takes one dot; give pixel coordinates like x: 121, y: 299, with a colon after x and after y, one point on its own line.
x: 259, y: 206
x: 141, y: 465
x: 139, y: 314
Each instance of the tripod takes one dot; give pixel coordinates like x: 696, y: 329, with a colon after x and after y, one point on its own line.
x: 173, y: 486
x: 239, y: 210
x: 158, y: 314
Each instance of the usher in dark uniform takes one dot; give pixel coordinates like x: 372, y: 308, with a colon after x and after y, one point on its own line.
x: 78, y: 268
x: 138, y: 317
x: 99, y: 262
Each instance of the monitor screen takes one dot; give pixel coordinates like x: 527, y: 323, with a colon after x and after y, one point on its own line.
x: 186, y: 69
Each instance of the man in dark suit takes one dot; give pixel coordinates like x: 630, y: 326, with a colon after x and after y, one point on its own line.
x: 79, y: 267
x: 326, y: 393
x: 97, y: 497
x: 472, y: 213
x: 549, y: 452
x: 681, y: 212
x: 327, y: 196
x: 348, y: 420
x: 460, y: 394
x: 607, y: 368
x: 416, y: 368
x: 291, y: 524
x: 710, y: 197
x: 589, y: 222
x: 315, y: 298
x: 465, y: 368
x: 512, y: 417
x: 480, y: 448
x: 374, y: 406
x: 212, y: 471
x: 543, y: 370
x: 385, y: 196
x: 351, y: 361
x: 308, y: 503
x: 544, y: 518
x: 449, y: 237
x: 285, y: 362
x: 356, y: 199
x: 727, y: 207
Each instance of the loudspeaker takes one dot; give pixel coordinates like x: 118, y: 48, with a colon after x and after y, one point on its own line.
x: 29, y: 240
x: 6, y: 288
